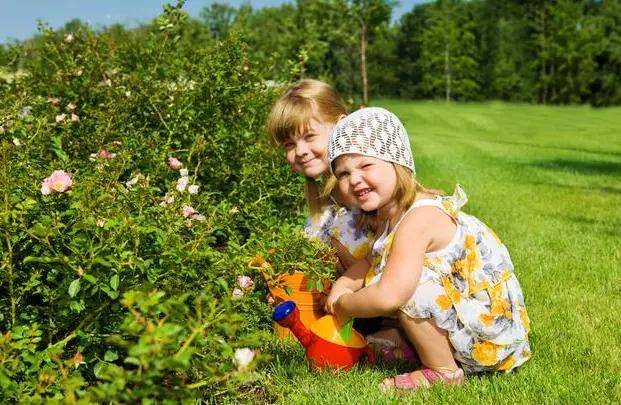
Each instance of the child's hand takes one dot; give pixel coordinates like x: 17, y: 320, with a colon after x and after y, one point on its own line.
x: 334, y: 296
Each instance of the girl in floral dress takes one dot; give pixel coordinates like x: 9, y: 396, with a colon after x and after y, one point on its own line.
x: 442, y: 273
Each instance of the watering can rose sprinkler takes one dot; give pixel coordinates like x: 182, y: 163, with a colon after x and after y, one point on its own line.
x: 323, y: 342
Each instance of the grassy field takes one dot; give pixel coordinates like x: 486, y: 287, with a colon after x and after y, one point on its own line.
x: 548, y: 181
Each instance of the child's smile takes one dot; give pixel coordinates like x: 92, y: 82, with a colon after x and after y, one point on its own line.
x: 370, y: 181
x: 306, y: 153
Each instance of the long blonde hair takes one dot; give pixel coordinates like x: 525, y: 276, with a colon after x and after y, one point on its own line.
x: 291, y: 115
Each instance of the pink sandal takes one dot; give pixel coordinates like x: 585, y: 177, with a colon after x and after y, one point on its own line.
x: 406, y: 382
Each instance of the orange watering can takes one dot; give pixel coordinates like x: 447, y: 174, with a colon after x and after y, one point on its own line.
x: 324, y: 344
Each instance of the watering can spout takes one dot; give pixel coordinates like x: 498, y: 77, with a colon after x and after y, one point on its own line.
x: 288, y: 315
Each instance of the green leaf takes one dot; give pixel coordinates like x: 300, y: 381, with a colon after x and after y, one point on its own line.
x: 319, y: 286
x: 347, y: 331
x: 114, y: 282
x: 57, y: 147
x: 107, y: 371
x: 289, y: 290
x: 33, y: 259
x: 111, y: 355
x: 74, y: 287
x: 102, y: 261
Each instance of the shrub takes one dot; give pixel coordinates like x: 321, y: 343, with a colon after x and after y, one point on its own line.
x: 118, y: 287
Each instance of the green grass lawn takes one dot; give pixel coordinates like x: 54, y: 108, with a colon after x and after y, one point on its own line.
x: 548, y: 181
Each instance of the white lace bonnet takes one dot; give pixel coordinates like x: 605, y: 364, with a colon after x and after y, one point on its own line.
x: 374, y: 132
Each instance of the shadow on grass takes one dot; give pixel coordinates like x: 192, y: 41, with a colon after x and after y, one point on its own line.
x: 287, y: 358
x: 583, y: 189
x: 531, y: 145
x: 588, y: 167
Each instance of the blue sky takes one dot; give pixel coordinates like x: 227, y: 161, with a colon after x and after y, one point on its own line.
x: 18, y: 18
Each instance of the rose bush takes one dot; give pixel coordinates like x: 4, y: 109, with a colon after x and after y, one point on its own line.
x: 135, y: 184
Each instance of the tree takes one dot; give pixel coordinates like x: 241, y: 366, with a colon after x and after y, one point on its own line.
x: 606, y: 86
x: 447, y: 58
x: 218, y: 18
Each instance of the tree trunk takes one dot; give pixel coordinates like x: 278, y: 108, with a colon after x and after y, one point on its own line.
x: 363, y: 62
x: 447, y: 71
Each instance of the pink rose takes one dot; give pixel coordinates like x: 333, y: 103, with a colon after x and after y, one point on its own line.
x: 188, y: 211
x: 71, y: 106
x: 270, y: 299
x: 244, y: 282
x: 174, y: 163
x: 74, y: 117
x: 193, y: 189
x: 60, y: 181
x: 61, y: 117
x: 237, y: 294
x: 54, y: 101
x: 105, y: 154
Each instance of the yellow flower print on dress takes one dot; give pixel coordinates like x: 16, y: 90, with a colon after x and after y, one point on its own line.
x: 486, y: 352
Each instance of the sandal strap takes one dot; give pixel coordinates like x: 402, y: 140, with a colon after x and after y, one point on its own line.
x: 405, y: 381
x: 448, y: 378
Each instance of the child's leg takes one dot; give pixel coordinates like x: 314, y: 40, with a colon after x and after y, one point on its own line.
x: 433, y: 349
x: 431, y: 343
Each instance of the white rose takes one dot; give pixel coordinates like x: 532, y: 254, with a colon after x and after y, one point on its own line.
x: 243, y: 357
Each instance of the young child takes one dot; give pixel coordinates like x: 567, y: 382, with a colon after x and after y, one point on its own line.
x: 444, y: 274
x: 301, y: 122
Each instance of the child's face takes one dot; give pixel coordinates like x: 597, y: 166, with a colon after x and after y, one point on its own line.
x: 307, y: 152
x: 369, y: 181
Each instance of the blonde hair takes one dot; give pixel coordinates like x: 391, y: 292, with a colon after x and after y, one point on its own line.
x: 291, y: 115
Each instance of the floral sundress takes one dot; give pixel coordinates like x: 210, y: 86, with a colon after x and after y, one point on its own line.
x: 340, y: 223
x: 469, y: 289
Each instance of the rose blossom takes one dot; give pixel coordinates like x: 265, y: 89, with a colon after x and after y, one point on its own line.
x: 182, y: 183
x: 74, y: 117
x: 188, y: 211
x: 54, y: 101
x: 61, y: 117
x: 184, y: 172
x: 193, y: 189
x: 174, y: 163
x: 105, y: 154
x: 60, y: 181
x: 244, y: 282
x: 237, y: 294
x: 71, y: 106
x: 243, y: 357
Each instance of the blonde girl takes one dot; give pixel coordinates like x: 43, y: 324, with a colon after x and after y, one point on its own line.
x: 442, y: 273
x: 301, y: 122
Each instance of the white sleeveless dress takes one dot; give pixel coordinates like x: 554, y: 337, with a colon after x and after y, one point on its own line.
x: 469, y: 289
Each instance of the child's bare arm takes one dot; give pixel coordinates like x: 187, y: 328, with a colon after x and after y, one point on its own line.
x: 400, y: 275
x: 352, y: 280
